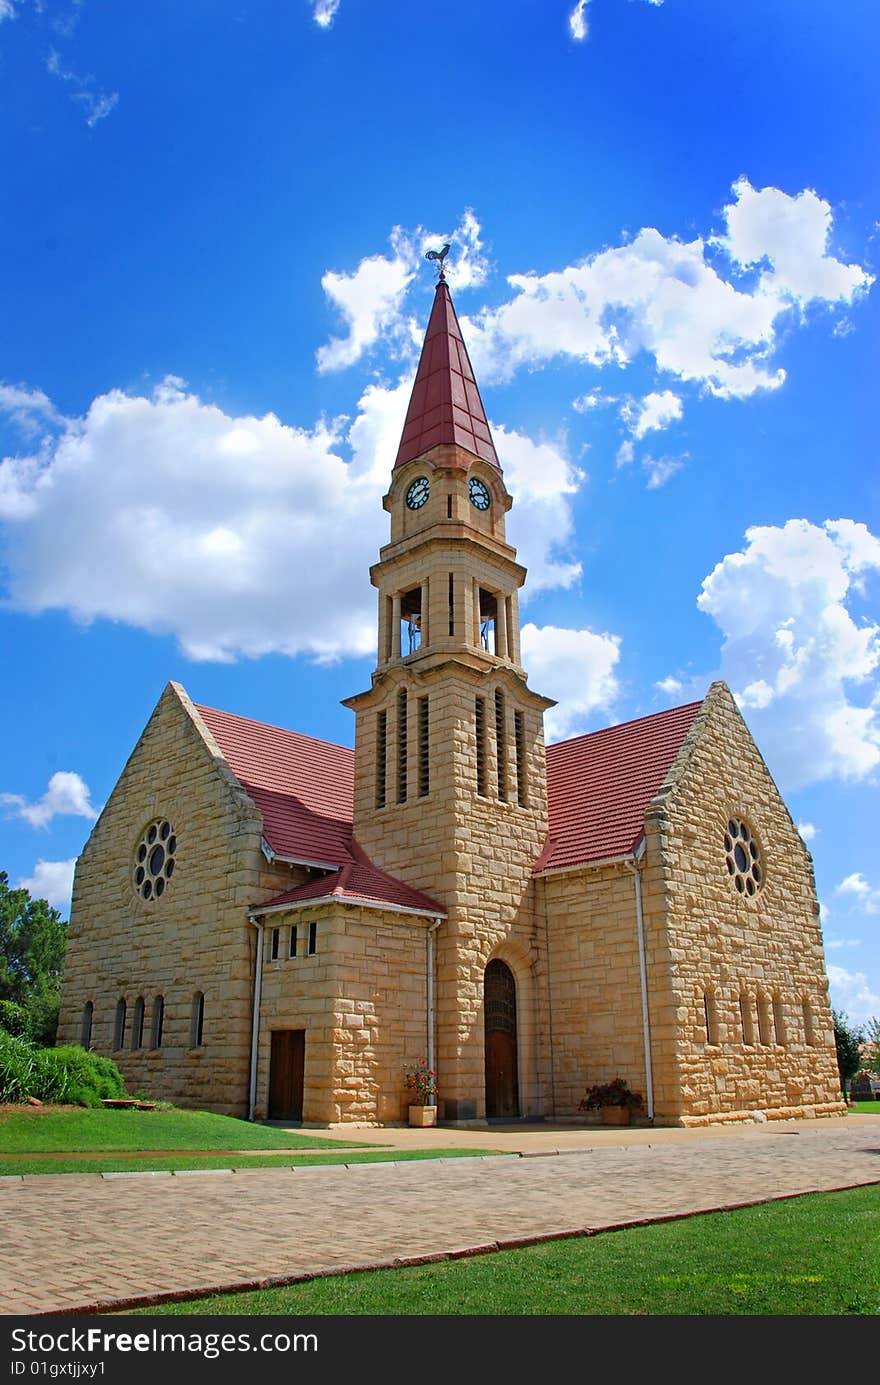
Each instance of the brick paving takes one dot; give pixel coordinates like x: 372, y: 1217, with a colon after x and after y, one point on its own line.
x: 76, y: 1242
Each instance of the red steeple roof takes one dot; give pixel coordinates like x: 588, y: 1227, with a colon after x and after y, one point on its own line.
x: 445, y: 406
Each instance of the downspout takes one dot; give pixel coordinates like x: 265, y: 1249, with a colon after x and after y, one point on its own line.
x: 255, y: 1027
x: 632, y: 863
x: 430, y: 988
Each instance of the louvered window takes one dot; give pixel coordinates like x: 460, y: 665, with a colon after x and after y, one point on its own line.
x: 424, y: 748
x: 520, y: 747
x: 381, y: 757
x: 500, y: 744
x: 480, y: 729
x: 401, y: 746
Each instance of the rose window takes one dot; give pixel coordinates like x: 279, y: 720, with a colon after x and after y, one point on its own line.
x: 743, y: 857
x: 154, y: 859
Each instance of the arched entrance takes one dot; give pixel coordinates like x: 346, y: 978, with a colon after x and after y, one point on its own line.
x: 499, y: 1007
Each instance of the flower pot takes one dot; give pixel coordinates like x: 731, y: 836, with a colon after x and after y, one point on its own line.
x: 423, y: 1115
x: 614, y: 1115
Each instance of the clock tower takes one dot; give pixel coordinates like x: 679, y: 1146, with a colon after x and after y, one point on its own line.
x: 450, y: 775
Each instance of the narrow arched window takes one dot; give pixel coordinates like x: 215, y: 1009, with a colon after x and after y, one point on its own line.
x: 119, y: 1026
x: 765, y: 1021
x: 779, y: 1019
x: 158, y: 1022
x: 197, y: 1020
x: 85, y: 1029
x: 746, y: 1018
x: 809, y: 1027
x: 137, y: 1025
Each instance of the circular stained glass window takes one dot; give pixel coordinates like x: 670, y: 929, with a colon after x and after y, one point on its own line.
x: 154, y: 859
x: 743, y: 858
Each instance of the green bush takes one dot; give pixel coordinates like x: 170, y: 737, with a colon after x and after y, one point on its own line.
x: 67, y: 1074
x: 18, y: 1068
x: 13, y: 1019
x: 81, y: 1078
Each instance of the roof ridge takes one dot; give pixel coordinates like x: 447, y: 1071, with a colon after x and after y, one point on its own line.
x: 271, y: 726
x: 633, y: 721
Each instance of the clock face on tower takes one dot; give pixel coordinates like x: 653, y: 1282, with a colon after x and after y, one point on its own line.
x: 418, y: 493
x: 479, y: 495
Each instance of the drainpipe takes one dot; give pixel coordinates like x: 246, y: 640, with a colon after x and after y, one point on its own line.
x: 255, y: 1028
x: 430, y: 979
x: 632, y: 863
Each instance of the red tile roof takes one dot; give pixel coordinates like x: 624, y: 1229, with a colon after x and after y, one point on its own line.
x: 358, y: 882
x: 303, y: 787
x: 599, y: 786
x: 445, y: 405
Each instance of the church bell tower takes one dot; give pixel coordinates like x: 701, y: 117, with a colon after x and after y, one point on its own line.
x: 450, y: 777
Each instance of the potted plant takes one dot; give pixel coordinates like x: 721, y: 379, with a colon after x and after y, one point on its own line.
x: 422, y: 1090
x: 615, y: 1101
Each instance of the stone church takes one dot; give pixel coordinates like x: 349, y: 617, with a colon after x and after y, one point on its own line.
x: 269, y: 925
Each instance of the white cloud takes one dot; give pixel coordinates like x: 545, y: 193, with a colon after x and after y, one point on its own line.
x: 97, y: 104
x: 370, y: 298
x: 866, y: 898
x: 577, y: 667
x: 540, y: 477
x: 53, y: 881
x: 659, y: 470
x: 7, y: 10
x: 793, y: 651
x: 663, y: 297
x: 237, y: 552
x: 67, y: 794
x: 625, y: 454
x: 851, y: 992
x: 593, y: 399
x: 325, y: 12
x: 808, y: 830
x: 657, y: 410
x: 578, y: 24
x: 672, y: 687
x: 835, y: 944
x: 29, y: 409
x: 790, y: 237
x: 577, y: 21
x: 854, y: 884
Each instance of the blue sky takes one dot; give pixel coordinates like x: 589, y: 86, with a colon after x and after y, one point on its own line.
x: 664, y: 220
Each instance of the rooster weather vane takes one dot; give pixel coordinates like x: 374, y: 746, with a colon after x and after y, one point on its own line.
x: 439, y: 256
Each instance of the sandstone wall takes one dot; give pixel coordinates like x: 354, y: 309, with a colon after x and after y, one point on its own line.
x: 723, y: 945
x: 196, y: 938
x: 362, y: 1001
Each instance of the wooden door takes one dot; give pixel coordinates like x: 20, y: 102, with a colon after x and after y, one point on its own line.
x: 286, y: 1072
x: 502, y: 1077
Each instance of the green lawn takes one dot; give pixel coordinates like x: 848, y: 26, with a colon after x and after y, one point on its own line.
x: 166, y: 1163
x: 816, y: 1255
x: 69, y: 1132
x: 867, y: 1108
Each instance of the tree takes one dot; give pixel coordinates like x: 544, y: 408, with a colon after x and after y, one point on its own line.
x: 848, y: 1038
x: 33, y: 937
x: 871, y: 1046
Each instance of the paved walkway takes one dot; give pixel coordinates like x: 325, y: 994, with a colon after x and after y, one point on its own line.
x: 76, y: 1242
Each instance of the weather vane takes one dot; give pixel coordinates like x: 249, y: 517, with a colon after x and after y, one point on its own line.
x: 439, y: 256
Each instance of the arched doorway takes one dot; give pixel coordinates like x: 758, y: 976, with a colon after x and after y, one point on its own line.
x: 499, y: 1007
